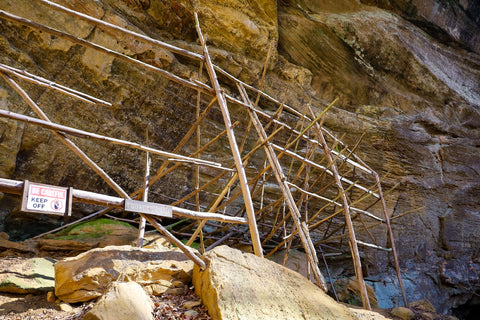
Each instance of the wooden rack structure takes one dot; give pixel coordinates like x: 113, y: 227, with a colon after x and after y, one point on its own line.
x: 310, y: 189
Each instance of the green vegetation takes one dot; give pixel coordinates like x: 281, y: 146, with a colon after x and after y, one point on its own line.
x: 90, y: 229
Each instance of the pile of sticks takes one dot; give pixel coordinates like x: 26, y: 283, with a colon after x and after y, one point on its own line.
x: 309, y: 191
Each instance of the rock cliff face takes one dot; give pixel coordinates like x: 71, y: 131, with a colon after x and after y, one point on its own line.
x: 407, y: 74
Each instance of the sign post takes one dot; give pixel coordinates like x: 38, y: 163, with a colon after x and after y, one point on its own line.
x: 42, y: 198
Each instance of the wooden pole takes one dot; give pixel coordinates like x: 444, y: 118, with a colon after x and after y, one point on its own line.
x: 281, y: 180
x: 353, y: 241
x: 257, y: 248
x: 88, y: 135
x: 50, y: 84
x: 143, y: 221
x: 16, y: 187
x: 392, y: 240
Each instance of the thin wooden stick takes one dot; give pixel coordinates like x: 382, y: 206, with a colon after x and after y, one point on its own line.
x: 143, y: 221
x: 50, y: 84
x: 392, y: 240
x: 177, y: 242
x: 351, y: 231
x: 90, y: 216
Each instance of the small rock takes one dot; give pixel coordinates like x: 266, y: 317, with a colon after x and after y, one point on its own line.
x: 27, y: 276
x: 65, y: 307
x: 4, y: 236
x: 175, y: 291
x: 178, y: 283
x: 429, y: 316
x: 403, y: 313
x: 191, y: 313
x: 424, y: 305
x: 51, y: 296
x: 191, y: 304
x: 124, y: 300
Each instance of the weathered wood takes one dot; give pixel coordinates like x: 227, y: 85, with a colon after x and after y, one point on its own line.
x: 348, y: 220
x: 257, y: 248
x: 89, y: 135
x: 119, y: 30
x: 22, y: 74
x: 16, y: 187
x: 143, y: 221
x: 281, y: 180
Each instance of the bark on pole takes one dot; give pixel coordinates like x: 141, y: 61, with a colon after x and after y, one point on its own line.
x: 348, y: 220
x: 222, y: 102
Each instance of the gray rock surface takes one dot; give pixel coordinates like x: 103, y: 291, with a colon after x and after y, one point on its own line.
x: 27, y: 275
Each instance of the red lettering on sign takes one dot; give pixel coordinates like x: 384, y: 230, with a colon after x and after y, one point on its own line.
x: 47, y: 192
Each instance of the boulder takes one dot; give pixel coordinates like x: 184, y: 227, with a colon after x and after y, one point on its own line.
x: 348, y: 291
x: 88, y: 275
x: 27, y: 275
x: 403, y: 313
x: 237, y: 285
x: 124, y: 300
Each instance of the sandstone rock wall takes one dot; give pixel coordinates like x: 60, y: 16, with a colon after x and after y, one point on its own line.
x: 407, y: 74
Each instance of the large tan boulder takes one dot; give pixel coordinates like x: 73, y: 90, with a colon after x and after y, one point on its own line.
x: 124, y: 300
x: 237, y: 285
x: 88, y: 275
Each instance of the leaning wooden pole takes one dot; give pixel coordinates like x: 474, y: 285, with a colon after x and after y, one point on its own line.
x: 392, y: 240
x: 281, y: 179
x: 346, y: 207
x: 222, y: 102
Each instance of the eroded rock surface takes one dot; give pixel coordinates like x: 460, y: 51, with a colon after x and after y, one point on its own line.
x: 238, y: 285
x: 407, y: 74
x: 88, y: 275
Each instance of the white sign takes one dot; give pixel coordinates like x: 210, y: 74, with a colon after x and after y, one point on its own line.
x: 155, y: 209
x: 44, y: 198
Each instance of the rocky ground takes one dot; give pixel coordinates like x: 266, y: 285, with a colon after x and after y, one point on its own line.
x: 38, y: 306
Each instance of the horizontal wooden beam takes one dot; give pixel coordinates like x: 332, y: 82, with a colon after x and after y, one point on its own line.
x: 16, y: 187
x: 89, y: 135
